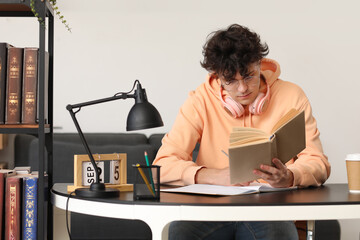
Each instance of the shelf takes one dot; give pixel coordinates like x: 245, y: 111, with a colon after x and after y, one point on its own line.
x: 14, y: 7
x: 22, y: 128
x: 20, y: 8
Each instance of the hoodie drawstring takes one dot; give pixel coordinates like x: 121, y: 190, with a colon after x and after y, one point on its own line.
x: 249, y: 120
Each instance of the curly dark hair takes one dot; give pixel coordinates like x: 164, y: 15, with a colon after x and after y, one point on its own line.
x: 232, y: 50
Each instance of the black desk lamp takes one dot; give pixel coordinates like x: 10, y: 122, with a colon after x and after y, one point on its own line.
x: 141, y: 116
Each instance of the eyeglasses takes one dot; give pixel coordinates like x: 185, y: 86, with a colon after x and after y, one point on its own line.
x: 233, y: 84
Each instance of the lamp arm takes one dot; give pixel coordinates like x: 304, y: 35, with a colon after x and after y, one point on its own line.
x: 84, y: 142
x: 102, y: 100
x: 71, y: 108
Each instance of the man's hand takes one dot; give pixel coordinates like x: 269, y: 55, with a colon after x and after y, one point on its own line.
x: 278, y: 176
x: 215, y: 176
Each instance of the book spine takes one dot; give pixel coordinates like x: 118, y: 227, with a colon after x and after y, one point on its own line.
x: 12, y: 208
x: 30, y: 79
x: 2, y: 199
x: 3, y: 67
x: 13, y: 90
x: 30, y: 208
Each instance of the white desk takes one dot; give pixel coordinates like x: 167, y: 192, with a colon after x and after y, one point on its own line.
x: 331, y: 201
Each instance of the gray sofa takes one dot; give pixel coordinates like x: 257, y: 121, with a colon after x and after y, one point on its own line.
x: 66, y: 145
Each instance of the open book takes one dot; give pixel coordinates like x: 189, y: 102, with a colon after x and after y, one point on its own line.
x: 207, y: 189
x: 251, y: 147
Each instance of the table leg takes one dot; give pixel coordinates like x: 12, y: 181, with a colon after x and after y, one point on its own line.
x: 158, y: 219
x: 310, y: 230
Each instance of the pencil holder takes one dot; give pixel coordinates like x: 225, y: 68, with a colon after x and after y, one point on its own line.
x: 147, y: 182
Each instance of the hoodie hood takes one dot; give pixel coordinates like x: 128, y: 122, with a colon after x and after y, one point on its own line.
x: 270, y: 69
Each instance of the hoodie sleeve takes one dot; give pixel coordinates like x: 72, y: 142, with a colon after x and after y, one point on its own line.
x: 312, y: 167
x: 175, y: 154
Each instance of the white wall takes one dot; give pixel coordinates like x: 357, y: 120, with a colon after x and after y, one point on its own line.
x: 159, y: 42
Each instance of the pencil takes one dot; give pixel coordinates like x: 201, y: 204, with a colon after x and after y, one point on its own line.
x: 224, y: 153
x: 150, y: 173
x: 145, y: 179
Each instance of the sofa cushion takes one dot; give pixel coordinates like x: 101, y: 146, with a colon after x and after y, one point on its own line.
x: 22, y: 145
x: 156, y: 140
x: 103, y: 138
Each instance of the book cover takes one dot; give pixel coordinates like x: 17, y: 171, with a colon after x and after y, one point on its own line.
x: 13, y: 89
x: 29, y: 86
x: 250, y: 147
x: 3, y: 68
x: 13, y: 194
x: 4, y: 173
x: 30, y: 208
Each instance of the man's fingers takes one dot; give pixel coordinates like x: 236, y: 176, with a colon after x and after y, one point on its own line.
x: 279, y: 165
x: 268, y: 169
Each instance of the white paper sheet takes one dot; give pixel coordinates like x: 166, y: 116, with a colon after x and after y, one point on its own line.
x: 224, y: 190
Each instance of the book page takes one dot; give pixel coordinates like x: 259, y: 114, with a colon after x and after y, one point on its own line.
x: 289, y: 115
x: 266, y: 187
x: 247, y: 141
x: 208, y: 189
x: 244, y: 135
x: 247, y: 129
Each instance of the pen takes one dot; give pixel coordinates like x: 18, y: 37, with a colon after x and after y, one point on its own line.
x: 145, y: 179
x: 225, y: 153
x: 150, y: 173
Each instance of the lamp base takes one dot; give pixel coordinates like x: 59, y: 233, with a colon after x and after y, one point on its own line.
x: 97, y: 190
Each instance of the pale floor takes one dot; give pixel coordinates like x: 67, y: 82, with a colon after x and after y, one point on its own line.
x: 350, y: 229
x: 60, y: 232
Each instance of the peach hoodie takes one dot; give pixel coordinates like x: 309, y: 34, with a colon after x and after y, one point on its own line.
x: 203, y: 119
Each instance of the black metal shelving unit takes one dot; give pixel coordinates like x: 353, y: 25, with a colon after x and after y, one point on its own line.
x: 43, y: 130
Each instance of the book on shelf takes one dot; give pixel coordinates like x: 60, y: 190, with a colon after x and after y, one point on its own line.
x: 13, y: 89
x: 4, y: 173
x: 29, y: 216
x: 30, y: 86
x: 3, y: 69
x: 251, y: 147
x: 22, y: 170
x: 15, y: 199
x: 13, y: 193
x: 207, y: 189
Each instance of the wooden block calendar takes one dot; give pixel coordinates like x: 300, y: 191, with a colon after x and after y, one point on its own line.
x: 84, y: 172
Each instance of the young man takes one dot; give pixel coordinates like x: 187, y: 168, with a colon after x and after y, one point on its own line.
x: 243, y: 89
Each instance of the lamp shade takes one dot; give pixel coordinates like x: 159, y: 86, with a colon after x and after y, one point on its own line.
x: 143, y: 115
